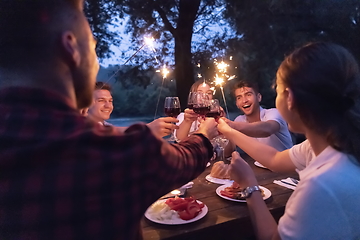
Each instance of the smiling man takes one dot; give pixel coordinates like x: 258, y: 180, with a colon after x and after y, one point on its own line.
x: 266, y: 125
x: 102, y: 105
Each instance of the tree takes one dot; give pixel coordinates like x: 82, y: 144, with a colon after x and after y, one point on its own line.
x: 100, y: 15
x: 170, y: 21
x: 269, y: 29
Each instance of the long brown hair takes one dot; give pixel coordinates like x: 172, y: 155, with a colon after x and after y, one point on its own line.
x: 325, y: 81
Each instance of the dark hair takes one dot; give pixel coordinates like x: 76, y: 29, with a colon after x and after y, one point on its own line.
x: 325, y: 81
x: 243, y: 83
x: 102, y: 86
x: 196, y: 84
x: 29, y: 29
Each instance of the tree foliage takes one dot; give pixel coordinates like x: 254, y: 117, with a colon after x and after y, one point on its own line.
x: 263, y: 32
x: 172, y: 23
x: 269, y: 29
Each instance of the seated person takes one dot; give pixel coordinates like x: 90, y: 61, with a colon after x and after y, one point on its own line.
x: 102, y: 107
x: 264, y: 125
x: 318, y: 89
x: 64, y: 176
x: 189, y: 120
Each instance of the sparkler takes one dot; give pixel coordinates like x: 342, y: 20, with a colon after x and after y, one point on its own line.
x: 220, y: 78
x: 147, y: 41
x: 164, y: 73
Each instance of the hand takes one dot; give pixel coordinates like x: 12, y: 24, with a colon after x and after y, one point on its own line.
x: 163, y: 126
x: 223, y: 127
x: 241, y: 172
x: 208, y: 127
x: 190, y: 115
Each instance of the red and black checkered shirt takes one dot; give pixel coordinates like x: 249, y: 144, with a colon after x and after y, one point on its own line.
x: 65, y: 177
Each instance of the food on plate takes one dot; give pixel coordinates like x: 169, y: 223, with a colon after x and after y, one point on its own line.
x: 187, y: 208
x: 234, y: 191
x: 175, y: 208
x: 220, y: 170
x: 161, y: 211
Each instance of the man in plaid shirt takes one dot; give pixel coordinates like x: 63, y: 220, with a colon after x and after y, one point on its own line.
x: 61, y: 175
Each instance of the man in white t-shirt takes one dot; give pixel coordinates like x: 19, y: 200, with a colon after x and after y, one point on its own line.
x: 265, y: 125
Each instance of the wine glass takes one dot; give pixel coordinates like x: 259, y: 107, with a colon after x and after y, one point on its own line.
x: 201, y: 103
x: 215, y: 110
x: 172, y: 109
x: 220, y: 142
x: 191, y: 100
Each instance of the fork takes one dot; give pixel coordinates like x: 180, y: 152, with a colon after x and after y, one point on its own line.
x: 294, y: 180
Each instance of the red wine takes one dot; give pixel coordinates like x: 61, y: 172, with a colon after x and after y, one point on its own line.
x: 213, y: 114
x: 201, y: 110
x: 172, y: 112
x: 190, y: 106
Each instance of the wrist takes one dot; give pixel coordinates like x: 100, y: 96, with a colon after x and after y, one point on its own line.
x: 248, y: 191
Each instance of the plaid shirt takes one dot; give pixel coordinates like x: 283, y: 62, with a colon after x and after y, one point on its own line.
x: 65, y: 177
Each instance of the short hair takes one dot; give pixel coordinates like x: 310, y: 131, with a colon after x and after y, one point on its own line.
x: 325, y: 81
x: 102, y: 86
x: 196, y: 84
x: 244, y: 83
x: 27, y: 29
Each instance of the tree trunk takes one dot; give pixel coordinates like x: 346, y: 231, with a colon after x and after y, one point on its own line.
x: 184, y: 68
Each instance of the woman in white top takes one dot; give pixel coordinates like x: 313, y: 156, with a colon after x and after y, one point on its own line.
x: 318, y: 94
x: 188, y: 120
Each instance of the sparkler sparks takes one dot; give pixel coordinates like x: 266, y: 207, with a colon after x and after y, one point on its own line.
x: 165, y: 71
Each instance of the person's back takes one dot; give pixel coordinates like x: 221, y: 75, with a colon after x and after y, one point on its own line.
x: 327, y: 198
x: 59, y: 177
x: 64, y: 176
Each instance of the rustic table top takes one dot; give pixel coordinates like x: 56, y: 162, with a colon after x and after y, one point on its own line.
x: 225, y: 219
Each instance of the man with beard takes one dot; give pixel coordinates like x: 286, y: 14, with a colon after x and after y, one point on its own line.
x: 266, y: 125
x: 64, y: 176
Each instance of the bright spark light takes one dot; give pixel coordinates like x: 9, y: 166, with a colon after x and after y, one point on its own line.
x: 222, y: 66
x: 218, y: 80
x: 165, y: 71
x: 199, y: 75
x: 231, y: 57
x: 198, y: 65
x: 150, y: 42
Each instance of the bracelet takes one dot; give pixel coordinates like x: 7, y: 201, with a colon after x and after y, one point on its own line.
x: 246, y: 193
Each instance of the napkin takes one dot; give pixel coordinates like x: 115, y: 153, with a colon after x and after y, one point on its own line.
x: 286, y: 182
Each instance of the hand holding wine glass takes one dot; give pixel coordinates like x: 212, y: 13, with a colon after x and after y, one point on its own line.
x: 215, y: 109
x: 201, y: 103
x: 172, y: 109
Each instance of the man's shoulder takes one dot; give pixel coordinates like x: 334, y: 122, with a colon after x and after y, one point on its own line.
x: 270, y: 110
x: 270, y: 114
x: 240, y: 118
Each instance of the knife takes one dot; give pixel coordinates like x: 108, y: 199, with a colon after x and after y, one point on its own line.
x: 291, y: 184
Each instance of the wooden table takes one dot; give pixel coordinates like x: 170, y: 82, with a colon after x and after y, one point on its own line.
x: 225, y: 219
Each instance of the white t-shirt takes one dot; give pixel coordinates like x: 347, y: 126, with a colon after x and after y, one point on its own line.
x: 194, y: 125
x: 326, y: 202
x: 280, y: 140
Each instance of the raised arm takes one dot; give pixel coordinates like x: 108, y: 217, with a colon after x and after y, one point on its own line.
x: 186, y: 121
x: 266, y: 155
x: 256, y: 129
x: 264, y: 224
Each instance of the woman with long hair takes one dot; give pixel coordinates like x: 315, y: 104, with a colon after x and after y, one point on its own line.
x: 318, y: 94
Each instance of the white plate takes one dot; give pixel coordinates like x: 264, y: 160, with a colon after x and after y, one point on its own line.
x: 267, y: 193
x: 218, y: 180
x: 256, y: 163
x: 178, y: 221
